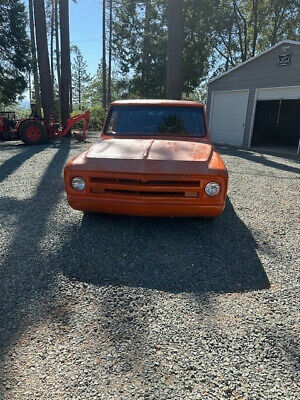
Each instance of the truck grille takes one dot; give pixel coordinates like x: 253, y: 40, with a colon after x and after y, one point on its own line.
x: 152, y: 187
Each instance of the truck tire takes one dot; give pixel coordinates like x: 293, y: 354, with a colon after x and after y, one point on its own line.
x: 33, y: 132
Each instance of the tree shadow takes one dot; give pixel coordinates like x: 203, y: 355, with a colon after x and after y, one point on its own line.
x: 12, y: 164
x: 25, y: 272
x: 171, y: 255
x: 259, y: 158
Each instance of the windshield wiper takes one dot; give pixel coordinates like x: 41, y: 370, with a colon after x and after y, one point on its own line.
x: 111, y: 133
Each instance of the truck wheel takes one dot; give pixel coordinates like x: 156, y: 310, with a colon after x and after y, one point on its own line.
x: 33, y: 132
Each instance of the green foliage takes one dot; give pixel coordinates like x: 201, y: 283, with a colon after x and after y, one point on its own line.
x: 242, y: 28
x: 14, y: 50
x: 92, y: 94
x: 140, y: 45
x: 197, y: 49
x: 21, y: 112
x: 97, y: 117
x: 218, y: 35
x: 80, y: 78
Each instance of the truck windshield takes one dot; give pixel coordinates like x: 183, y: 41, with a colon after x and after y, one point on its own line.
x: 155, y: 120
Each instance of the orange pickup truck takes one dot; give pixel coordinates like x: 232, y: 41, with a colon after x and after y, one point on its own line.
x: 153, y: 158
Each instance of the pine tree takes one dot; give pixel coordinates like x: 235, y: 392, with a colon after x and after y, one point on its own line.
x: 80, y: 78
x: 65, y: 80
x: 57, y: 46
x: 104, y: 86
x: 140, y: 39
x: 36, y: 80
x: 110, y: 30
x: 52, y: 26
x: 43, y: 59
x: 140, y: 43
x: 175, y: 50
x: 14, y: 50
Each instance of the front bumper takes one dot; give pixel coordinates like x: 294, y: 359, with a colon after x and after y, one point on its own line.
x: 143, y: 195
x: 146, y: 209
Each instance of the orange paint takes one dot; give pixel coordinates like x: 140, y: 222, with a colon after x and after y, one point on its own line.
x: 149, y: 175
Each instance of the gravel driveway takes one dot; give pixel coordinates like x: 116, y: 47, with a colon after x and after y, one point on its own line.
x: 107, y: 307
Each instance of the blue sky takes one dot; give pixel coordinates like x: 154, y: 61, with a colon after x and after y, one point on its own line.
x: 86, y: 30
x: 85, y: 33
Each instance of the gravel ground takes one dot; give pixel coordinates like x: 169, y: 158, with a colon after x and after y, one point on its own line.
x: 107, y: 307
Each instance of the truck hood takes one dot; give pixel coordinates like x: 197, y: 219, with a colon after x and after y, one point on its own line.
x: 152, y: 156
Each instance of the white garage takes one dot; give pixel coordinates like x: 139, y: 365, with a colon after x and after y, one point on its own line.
x: 257, y: 104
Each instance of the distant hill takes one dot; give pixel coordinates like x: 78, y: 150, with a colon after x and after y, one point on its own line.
x: 24, y: 104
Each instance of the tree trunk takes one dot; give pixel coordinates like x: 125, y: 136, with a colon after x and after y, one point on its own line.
x: 71, y: 89
x: 36, y: 82
x: 52, y: 41
x: 175, y: 50
x: 57, y: 50
x: 104, y: 56
x: 255, y: 26
x: 43, y: 59
x: 29, y: 86
x: 65, y: 60
x: 71, y: 96
x: 146, y: 49
x: 79, y: 90
x: 110, y: 50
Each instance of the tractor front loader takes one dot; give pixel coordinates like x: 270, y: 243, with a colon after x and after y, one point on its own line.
x: 35, y: 130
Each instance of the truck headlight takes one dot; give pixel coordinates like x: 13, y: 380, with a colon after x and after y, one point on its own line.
x: 78, y: 183
x: 212, y: 189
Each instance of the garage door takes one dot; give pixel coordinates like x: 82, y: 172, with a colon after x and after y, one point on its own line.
x: 228, y: 116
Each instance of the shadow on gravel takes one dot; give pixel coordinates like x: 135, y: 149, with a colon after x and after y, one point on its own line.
x: 26, y: 274
x: 259, y: 158
x: 9, y: 166
x: 172, y: 255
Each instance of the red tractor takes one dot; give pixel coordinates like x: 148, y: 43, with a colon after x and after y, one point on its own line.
x: 35, y: 130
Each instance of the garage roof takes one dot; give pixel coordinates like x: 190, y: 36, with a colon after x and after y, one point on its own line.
x: 287, y: 41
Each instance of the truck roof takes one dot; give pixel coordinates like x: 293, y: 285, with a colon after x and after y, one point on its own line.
x: 154, y: 102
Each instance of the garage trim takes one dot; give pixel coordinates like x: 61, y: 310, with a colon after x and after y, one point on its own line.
x: 279, y: 93
x: 294, y: 94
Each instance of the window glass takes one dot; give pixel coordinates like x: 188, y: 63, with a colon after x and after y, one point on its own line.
x: 156, y: 120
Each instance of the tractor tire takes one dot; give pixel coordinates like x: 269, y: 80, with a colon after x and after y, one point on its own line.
x: 33, y: 132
